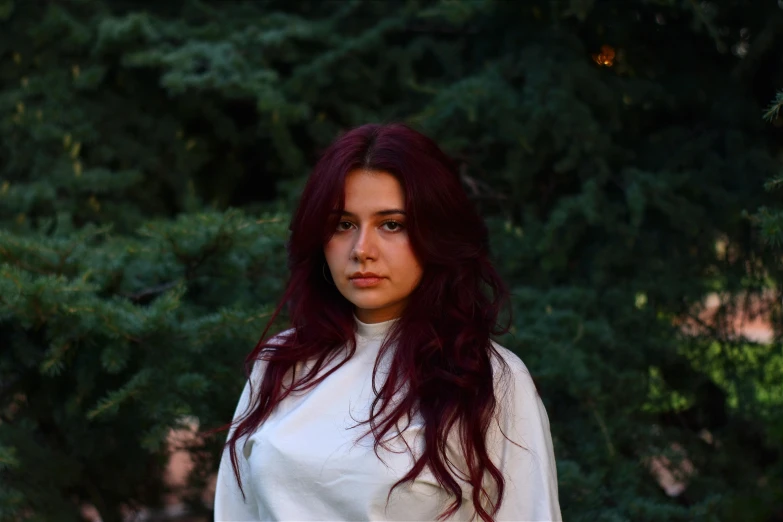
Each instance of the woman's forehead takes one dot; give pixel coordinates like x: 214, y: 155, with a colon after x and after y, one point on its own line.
x: 371, y: 192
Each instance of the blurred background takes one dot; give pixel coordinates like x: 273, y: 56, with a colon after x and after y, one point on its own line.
x: 625, y: 154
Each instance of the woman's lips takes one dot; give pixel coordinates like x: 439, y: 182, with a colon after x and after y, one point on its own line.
x: 365, y: 282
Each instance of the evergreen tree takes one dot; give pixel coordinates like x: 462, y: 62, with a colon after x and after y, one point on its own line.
x: 150, y: 154
x: 770, y: 220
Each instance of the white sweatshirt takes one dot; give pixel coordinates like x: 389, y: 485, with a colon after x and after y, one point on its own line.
x: 305, y: 463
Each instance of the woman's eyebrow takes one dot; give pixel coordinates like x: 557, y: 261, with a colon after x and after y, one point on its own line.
x: 379, y: 213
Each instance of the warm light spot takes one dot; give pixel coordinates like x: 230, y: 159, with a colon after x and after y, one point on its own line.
x: 77, y: 147
x: 606, y: 57
x: 94, y: 204
x: 4, y: 188
x: 25, y: 81
x: 75, y: 71
x: 77, y: 168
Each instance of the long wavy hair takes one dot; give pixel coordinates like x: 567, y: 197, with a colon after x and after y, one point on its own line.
x: 442, y: 350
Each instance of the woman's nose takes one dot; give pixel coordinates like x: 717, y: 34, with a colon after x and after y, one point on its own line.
x: 363, y: 247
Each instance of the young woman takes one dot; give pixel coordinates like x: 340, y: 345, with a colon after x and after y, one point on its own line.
x: 387, y: 399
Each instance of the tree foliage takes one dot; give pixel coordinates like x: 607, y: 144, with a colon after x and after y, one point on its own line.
x: 150, y: 154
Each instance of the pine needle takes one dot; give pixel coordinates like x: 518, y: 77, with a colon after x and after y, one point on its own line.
x: 775, y: 183
x: 773, y: 111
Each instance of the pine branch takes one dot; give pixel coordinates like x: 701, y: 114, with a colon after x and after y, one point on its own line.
x: 152, y: 291
x: 773, y: 111
x: 111, y: 402
x: 774, y: 183
x: 771, y: 224
x: 21, y: 264
x: 604, y: 430
x: 700, y: 13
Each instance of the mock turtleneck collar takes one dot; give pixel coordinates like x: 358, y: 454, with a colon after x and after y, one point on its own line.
x: 373, y: 330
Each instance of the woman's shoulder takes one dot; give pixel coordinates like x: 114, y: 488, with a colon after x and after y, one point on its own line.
x: 280, y: 337
x: 510, y: 373
x: 260, y: 363
x: 505, y: 358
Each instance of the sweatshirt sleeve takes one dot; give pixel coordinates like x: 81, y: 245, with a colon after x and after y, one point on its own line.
x: 529, y: 471
x: 229, y: 504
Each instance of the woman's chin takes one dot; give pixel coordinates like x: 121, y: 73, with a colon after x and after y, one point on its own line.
x: 378, y: 310
x: 368, y: 305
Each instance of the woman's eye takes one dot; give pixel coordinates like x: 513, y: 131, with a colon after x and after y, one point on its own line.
x: 393, y: 226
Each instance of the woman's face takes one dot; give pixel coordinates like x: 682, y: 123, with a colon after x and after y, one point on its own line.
x: 369, y: 255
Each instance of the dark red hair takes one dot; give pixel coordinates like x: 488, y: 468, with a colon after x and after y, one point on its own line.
x: 442, y: 348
